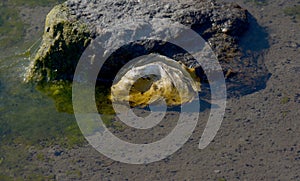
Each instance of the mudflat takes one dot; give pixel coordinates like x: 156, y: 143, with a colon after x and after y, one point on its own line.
x: 258, y: 138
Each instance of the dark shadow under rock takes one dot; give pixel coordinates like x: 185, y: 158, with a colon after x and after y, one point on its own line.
x: 250, y: 72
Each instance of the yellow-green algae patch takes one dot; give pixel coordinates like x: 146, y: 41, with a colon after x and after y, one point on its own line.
x: 61, y: 93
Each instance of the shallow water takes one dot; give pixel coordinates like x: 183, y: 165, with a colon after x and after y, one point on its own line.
x: 27, y: 117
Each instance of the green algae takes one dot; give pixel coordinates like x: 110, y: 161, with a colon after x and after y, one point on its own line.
x: 28, y: 118
x: 74, y: 136
x: 56, y: 60
x: 32, y: 130
x: 292, y: 11
x: 284, y: 100
x: 61, y: 93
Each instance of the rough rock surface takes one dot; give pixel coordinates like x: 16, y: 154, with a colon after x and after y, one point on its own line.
x: 71, y: 26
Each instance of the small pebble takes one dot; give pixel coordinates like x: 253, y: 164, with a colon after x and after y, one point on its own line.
x: 217, y: 171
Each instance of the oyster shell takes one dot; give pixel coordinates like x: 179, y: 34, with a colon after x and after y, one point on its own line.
x: 152, y: 79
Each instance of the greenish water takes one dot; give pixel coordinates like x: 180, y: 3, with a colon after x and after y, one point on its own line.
x: 27, y: 117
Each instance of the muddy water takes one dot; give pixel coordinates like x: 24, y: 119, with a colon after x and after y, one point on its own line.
x: 27, y: 118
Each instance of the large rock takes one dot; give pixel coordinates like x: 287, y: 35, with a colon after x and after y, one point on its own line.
x: 71, y: 26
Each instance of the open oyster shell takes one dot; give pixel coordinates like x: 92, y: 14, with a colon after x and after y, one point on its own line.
x: 152, y: 79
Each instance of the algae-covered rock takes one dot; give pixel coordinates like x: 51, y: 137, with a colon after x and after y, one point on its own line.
x: 73, y: 25
x: 64, y: 39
